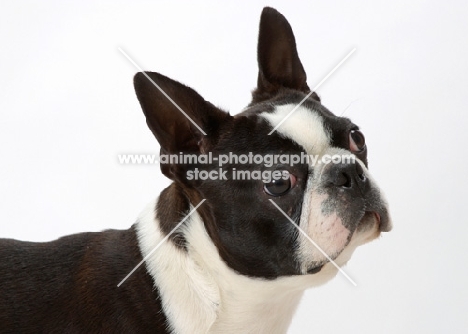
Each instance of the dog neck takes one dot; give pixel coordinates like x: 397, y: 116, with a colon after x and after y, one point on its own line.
x: 201, y: 294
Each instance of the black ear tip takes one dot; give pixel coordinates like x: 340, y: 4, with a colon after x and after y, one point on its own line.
x: 143, y: 81
x: 138, y: 79
x: 270, y: 13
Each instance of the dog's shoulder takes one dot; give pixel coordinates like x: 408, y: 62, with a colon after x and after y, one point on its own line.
x: 75, y: 277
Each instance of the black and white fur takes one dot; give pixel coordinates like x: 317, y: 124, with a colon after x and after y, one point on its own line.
x: 236, y: 265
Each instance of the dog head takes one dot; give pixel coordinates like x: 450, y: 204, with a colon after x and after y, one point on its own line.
x: 321, y: 211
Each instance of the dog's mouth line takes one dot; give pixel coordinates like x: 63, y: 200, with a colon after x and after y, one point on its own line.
x: 369, y: 214
x: 368, y: 219
x: 314, y: 270
x: 379, y: 217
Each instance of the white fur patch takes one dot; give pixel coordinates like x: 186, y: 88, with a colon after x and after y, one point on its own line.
x: 201, y: 294
x: 328, y: 232
x: 332, y: 241
x: 304, y: 126
x: 189, y: 297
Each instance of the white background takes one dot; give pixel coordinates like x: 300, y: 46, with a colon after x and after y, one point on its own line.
x: 68, y: 109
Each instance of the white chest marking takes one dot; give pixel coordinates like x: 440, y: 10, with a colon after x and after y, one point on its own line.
x: 201, y: 294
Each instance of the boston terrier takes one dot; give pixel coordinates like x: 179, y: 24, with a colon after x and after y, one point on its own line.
x: 220, y: 255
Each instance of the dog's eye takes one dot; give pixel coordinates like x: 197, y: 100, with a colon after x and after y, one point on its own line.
x: 357, y: 142
x: 280, y: 186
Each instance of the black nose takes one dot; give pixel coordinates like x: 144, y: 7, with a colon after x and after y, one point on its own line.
x: 348, y: 176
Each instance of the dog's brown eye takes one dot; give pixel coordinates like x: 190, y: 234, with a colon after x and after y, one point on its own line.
x: 280, y: 186
x: 357, y: 142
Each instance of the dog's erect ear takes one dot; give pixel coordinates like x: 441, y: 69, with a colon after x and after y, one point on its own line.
x: 278, y: 61
x: 175, y: 131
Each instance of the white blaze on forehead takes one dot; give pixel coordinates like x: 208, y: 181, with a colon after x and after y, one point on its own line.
x: 304, y: 126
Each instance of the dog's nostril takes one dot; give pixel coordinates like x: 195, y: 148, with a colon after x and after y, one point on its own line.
x: 348, y: 181
x: 348, y: 176
x: 343, y: 180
